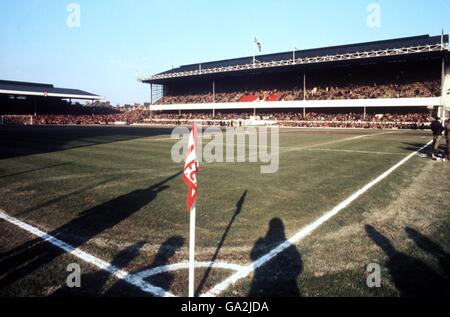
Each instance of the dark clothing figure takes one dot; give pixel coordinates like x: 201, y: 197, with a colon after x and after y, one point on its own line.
x: 447, y: 130
x: 278, y: 277
x: 437, y: 128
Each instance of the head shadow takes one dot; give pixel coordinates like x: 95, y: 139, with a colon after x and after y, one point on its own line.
x: 279, y: 276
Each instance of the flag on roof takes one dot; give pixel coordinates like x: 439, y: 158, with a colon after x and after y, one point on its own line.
x: 258, y: 44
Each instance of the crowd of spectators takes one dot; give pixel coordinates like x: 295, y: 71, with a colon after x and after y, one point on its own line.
x: 126, y: 118
x: 430, y: 88
x: 296, y: 119
x: 285, y: 119
x: 16, y: 120
x: 131, y: 117
x: 355, y: 120
x: 227, y: 97
x: 417, y: 120
x: 425, y: 88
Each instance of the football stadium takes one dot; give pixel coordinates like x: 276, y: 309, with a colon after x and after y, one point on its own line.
x: 96, y: 186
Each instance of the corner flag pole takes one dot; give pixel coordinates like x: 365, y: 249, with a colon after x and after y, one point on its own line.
x: 190, y: 178
x: 192, y: 252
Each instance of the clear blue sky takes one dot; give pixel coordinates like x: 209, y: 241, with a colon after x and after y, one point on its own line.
x: 119, y: 40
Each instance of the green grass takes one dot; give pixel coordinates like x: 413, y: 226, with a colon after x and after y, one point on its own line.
x: 93, y: 188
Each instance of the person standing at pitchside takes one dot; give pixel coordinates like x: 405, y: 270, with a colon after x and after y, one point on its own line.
x: 447, y: 135
x: 437, y: 128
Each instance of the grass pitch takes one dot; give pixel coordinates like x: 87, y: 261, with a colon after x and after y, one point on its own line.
x: 115, y: 193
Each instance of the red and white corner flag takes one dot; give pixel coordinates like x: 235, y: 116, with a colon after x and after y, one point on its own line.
x: 190, y: 178
x: 191, y: 168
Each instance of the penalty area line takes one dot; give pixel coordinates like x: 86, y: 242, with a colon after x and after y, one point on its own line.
x: 247, y: 270
x: 88, y: 258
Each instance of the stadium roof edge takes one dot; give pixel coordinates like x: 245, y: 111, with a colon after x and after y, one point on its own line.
x: 9, y: 87
x: 392, y: 47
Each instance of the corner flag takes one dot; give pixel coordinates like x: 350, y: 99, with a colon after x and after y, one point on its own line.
x: 191, y: 168
x: 190, y: 178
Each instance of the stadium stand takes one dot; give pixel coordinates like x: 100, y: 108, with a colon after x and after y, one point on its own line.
x: 285, y: 119
x: 30, y: 98
x: 418, y: 89
x: 384, y: 84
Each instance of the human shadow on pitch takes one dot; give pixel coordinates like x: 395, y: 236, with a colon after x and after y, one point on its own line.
x: 432, y: 248
x: 18, y: 141
x: 94, y: 283
x: 414, y: 147
x: 79, y: 190
x: 33, y: 170
x: 238, y: 210
x: 428, y: 150
x: 163, y: 280
x: 32, y: 255
x: 411, y: 276
x: 278, y: 277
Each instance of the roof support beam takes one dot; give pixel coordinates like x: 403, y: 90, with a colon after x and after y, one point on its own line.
x: 305, y: 61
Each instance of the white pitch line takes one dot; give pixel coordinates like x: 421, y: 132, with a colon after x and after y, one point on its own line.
x: 86, y: 257
x: 307, y: 147
x: 215, y: 291
x: 287, y: 149
x: 159, y: 139
x: 355, y: 151
x: 206, y: 137
x: 293, y: 149
x: 185, y: 265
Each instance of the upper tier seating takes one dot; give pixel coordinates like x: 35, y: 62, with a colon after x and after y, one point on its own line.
x: 249, y: 98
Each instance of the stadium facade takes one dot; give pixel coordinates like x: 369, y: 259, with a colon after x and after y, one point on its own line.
x: 418, y: 59
x: 27, y: 98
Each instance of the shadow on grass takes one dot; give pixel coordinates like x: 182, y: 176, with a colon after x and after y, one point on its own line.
x: 33, y: 170
x: 239, y: 206
x: 17, y: 141
x: 163, y: 280
x: 63, y: 197
x: 411, y: 276
x: 278, y: 277
x: 32, y: 255
x: 413, y: 147
x: 95, y: 284
x: 431, y: 247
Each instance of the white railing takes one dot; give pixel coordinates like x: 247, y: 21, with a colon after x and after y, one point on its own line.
x: 349, y: 103
x: 305, y: 61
